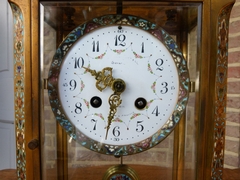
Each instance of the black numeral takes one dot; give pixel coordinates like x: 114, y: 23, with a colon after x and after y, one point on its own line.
x: 79, y: 62
x: 142, y: 51
x: 116, y: 139
x: 119, y: 40
x: 159, y: 63
x: 78, y: 108
x: 155, y: 111
x: 140, y: 127
x: 116, y: 131
x: 95, y: 46
x: 165, y: 88
x: 73, y: 85
x: 94, y: 121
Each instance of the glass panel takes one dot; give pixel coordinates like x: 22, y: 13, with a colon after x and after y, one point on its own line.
x: 77, y: 162
x: 190, y: 134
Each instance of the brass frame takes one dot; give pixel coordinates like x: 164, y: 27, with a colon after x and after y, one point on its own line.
x: 120, y: 169
x: 212, y: 93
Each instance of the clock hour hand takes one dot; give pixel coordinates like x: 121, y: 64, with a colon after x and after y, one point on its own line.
x: 104, y: 78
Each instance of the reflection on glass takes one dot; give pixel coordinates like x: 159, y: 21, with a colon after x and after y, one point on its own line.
x: 58, y: 20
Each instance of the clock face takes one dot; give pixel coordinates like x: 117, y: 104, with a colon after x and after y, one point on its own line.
x: 145, y: 59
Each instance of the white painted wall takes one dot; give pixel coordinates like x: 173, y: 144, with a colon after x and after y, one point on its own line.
x: 7, y: 128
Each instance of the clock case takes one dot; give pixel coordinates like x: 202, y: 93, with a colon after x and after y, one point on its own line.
x: 212, y: 18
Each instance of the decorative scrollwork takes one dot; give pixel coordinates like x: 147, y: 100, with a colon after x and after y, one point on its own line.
x: 19, y: 81
x: 221, y: 93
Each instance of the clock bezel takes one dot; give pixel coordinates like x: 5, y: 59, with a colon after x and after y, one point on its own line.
x: 143, y: 24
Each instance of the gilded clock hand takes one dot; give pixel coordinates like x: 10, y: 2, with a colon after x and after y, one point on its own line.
x: 118, y: 86
x: 114, y: 101
x: 104, y: 78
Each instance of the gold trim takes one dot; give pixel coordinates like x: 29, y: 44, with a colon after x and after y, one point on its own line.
x: 220, y: 92
x: 120, y: 171
x: 180, y: 130
x: 19, y: 89
x: 26, y: 79
x: 192, y: 86
x: 45, y: 82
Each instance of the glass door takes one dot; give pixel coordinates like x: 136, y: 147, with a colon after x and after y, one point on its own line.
x: 175, y: 156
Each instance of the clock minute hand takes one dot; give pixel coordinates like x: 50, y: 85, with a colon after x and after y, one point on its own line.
x: 114, y: 101
x: 118, y: 86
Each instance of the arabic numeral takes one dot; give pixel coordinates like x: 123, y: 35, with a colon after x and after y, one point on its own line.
x: 79, y: 62
x: 116, y: 139
x: 140, y: 127
x: 78, y: 108
x: 159, y: 63
x: 165, y: 88
x: 155, y: 111
x: 116, y: 131
x: 73, y: 85
x: 119, y: 40
x: 94, y: 121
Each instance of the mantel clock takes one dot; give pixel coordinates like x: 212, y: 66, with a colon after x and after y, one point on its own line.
x: 120, y: 89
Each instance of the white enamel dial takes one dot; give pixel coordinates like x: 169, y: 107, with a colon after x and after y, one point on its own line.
x: 138, y: 58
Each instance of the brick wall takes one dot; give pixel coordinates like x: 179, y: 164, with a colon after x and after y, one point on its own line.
x: 232, y: 141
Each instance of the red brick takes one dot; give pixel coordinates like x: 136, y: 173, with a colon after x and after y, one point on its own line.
x: 50, y: 155
x: 86, y: 155
x: 234, y: 42
x: 164, y: 144
x: 48, y: 141
x: 47, y: 114
x: 231, y: 160
x: 161, y: 157
x: 188, y: 157
x: 233, y: 131
x: 233, y: 117
x: 190, y: 129
x: 191, y: 100
x: 151, y: 157
x: 235, y: 11
x: 83, y: 155
x: 74, y: 144
x: 50, y: 128
x: 234, y: 72
x: 46, y: 100
x: 234, y: 57
x: 50, y: 165
x: 71, y: 156
x: 233, y: 87
x: 189, y: 141
x: 233, y: 102
x: 232, y: 146
x: 234, y: 27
